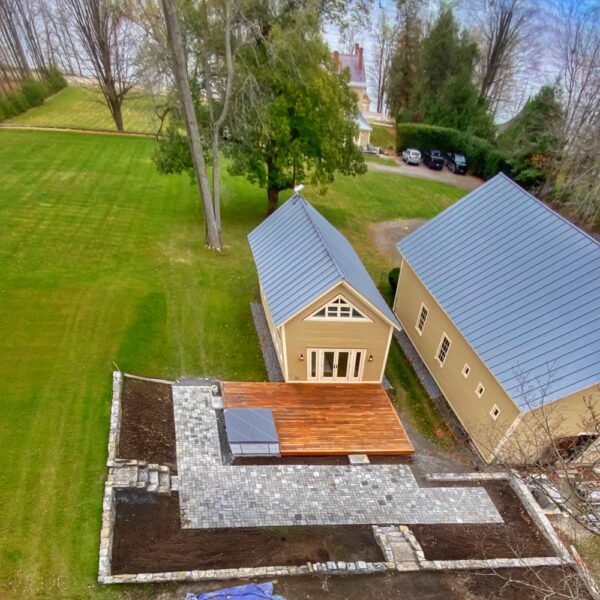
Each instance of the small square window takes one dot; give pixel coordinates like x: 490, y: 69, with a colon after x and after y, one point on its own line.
x: 479, y: 391
x: 466, y: 370
x: 495, y: 412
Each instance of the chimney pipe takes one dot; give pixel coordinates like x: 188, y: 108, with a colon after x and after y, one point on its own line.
x: 356, y: 48
x: 360, y: 58
x: 336, y: 59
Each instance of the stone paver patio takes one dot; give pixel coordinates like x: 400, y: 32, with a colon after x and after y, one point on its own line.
x: 216, y: 495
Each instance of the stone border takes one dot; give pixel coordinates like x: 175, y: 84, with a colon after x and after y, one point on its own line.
x: 533, y: 509
x: 330, y: 567
x: 108, y: 502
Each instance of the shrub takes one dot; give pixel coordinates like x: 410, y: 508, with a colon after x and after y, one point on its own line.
x: 483, y: 159
x: 31, y: 93
x: 393, y: 278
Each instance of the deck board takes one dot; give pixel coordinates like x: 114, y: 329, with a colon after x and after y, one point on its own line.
x: 325, y: 419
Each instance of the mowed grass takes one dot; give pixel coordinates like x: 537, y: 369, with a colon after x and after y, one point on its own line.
x: 103, y: 263
x: 383, y: 136
x: 83, y: 107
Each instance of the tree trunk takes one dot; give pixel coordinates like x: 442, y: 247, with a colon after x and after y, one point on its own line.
x: 213, y: 233
x: 273, y: 200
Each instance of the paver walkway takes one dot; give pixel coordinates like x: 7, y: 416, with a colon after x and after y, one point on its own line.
x: 216, y: 495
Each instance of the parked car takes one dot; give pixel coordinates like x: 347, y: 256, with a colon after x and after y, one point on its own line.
x: 368, y: 149
x: 456, y: 163
x: 433, y: 159
x: 411, y: 156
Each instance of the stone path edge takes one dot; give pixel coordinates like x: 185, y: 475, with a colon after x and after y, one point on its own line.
x: 332, y: 567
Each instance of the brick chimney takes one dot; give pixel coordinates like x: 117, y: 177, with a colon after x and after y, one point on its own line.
x: 356, y: 49
x: 360, y: 58
x: 336, y: 59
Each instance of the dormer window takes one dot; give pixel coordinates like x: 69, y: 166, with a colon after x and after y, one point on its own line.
x: 339, y: 309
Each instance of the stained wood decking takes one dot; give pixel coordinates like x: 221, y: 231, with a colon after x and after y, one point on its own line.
x: 325, y: 419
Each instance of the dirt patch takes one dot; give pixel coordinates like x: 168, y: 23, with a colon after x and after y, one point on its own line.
x: 147, y: 423
x: 387, y: 234
x: 517, y: 536
x: 148, y: 538
x: 524, y: 584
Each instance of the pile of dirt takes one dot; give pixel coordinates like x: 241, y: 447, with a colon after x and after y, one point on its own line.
x: 148, y: 538
x: 147, y: 423
x: 518, y: 536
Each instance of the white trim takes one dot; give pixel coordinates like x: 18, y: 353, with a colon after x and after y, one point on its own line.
x: 397, y: 287
x: 285, y: 353
x: 495, y: 409
x: 387, y: 353
x: 466, y: 370
x: 437, y: 352
x: 423, y: 306
x: 350, y: 378
x: 351, y: 319
x: 507, y: 435
x: 481, y: 387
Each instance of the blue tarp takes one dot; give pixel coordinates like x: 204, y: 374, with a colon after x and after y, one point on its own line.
x: 252, y: 591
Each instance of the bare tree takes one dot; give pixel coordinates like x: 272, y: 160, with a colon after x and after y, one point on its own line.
x: 108, y: 38
x: 505, y: 33
x: 383, y: 40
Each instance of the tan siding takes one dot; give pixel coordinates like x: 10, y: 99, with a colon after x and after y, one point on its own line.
x: 473, y: 412
x: 566, y: 417
x: 301, y: 335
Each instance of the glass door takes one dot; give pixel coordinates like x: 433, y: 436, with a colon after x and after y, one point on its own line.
x: 335, y: 365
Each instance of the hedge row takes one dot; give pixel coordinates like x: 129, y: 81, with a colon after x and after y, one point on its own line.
x: 31, y: 93
x: 483, y: 159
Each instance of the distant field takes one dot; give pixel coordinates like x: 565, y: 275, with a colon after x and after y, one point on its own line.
x: 103, y: 263
x: 81, y: 107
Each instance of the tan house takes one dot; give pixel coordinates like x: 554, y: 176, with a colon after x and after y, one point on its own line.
x: 328, y: 321
x: 500, y: 296
x: 355, y: 64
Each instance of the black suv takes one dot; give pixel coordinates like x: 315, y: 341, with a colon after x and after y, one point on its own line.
x: 434, y: 159
x: 456, y: 163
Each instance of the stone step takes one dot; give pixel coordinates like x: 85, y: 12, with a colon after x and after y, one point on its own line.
x: 139, y: 475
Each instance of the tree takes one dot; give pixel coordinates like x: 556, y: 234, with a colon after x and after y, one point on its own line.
x: 108, y: 38
x: 294, y: 114
x: 404, y: 62
x: 444, y: 93
x: 174, y: 156
x: 383, y: 39
x: 505, y: 33
x: 533, y: 140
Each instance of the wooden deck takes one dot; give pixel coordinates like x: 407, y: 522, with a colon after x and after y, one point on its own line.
x: 325, y: 419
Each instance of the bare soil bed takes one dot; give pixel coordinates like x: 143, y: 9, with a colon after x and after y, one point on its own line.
x: 147, y: 423
x: 518, y: 536
x: 148, y: 538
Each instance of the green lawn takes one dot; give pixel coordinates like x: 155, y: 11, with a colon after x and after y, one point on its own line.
x: 103, y: 262
x: 80, y: 107
x: 381, y: 160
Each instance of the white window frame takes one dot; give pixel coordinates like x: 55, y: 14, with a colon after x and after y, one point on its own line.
x: 439, y: 348
x: 350, y: 377
x: 349, y: 319
x: 466, y: 370
x: 423, y: 307
x: 481, y: 387
x: 495, y: 412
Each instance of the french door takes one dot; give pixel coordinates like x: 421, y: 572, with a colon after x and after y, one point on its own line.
x: 335, y: 365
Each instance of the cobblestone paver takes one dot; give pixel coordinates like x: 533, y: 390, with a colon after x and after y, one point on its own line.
x: 216, y: 495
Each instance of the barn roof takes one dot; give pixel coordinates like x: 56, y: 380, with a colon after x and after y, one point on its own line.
x: 521, y: 283
x: 300, y: 255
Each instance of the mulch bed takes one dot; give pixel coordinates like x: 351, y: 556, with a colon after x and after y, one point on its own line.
x: 147, y: 423
x: 518, y: 536
x: 148, y: 538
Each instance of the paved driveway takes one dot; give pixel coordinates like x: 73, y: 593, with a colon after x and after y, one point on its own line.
x: 465, y: 182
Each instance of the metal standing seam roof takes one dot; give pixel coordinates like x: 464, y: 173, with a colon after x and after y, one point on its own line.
x: 299, y: 256
x: 362, y: 123
x: 521, y: 283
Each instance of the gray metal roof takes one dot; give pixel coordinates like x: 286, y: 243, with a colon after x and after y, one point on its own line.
x: 362, y: 123
x: 250, y: 425
x: 521, y: 283
x: 299, y: 256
